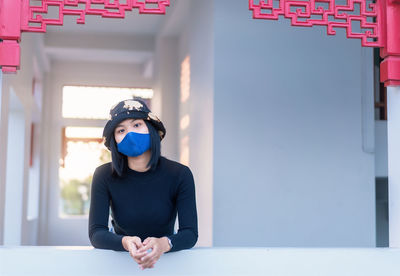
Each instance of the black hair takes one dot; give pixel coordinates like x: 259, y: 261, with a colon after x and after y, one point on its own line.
x: 120, y: 162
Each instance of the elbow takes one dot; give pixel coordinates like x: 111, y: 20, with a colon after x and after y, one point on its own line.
x: 194, y: 239
x: 94, y: 239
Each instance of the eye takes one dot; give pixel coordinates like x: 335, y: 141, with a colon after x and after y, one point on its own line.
x: 137, y: 124
x: 121, y: 130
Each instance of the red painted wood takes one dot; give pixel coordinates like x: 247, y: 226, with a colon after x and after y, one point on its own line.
x: 328, y: 14
x: 390, y: 52
x: 34, y: 14
x: 10, y: 17
x: 9, y: 56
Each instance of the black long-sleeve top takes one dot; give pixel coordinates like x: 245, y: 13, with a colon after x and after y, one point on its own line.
x: 143, y: 204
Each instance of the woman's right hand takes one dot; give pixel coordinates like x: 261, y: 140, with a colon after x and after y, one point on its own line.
x: 132, y: 244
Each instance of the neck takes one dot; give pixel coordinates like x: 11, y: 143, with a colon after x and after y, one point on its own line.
x: 139, y: 163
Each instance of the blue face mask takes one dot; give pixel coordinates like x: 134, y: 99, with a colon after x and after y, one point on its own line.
x: 134, y: 144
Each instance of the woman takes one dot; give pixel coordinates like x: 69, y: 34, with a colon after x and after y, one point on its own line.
x: 144, y: 190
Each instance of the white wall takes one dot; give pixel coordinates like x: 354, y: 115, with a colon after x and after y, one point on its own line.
x: 3, y: 151
x: 289, y: 165
x: 393, y: 99
x: 14, y: 190
x: 32, y: 66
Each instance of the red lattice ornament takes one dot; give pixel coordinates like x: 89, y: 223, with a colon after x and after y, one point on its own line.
x: 18, y: 16
x: 307, y: 13
x: 110, y: 9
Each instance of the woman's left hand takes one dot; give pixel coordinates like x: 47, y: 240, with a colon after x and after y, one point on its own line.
x: 158, y: 246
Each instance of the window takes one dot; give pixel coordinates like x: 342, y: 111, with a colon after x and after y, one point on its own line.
x: 83, y: 151
x: 84, y: 102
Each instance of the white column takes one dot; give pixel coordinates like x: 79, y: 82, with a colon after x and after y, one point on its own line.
x: 393, y: 99
x: 1, y: 169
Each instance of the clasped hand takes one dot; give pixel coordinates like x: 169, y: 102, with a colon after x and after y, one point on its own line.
x: 146, y: 254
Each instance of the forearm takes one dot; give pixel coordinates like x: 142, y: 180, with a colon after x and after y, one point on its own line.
x: 104, y: 239
x: 186, y: 204
x: 184, y: 239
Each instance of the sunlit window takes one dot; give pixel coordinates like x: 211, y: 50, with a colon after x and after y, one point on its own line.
x: 83, y: 151
x: 87, y: 102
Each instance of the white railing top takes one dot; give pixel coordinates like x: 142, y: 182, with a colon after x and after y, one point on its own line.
x: 73, y: 261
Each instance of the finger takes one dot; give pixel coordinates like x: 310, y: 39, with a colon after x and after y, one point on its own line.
x: 143, y: 266
x: 137, y: 243
x: 147, y: 264
x: 138, y: 256
x: 151, y: 255
x: 147, y: 246
x: 139, y: 262
x: 135, y: 254
x: 155, y: 259
x: 131, y: 248
x: 146, y: 241
x: 149, y: 239
x: 150, y: 259
x: 153, y: 263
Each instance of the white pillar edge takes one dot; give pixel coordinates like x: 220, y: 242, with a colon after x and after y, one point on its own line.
x: 2, y: 197
x: 393, y: 126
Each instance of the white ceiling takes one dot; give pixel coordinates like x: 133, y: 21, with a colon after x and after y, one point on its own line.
x: 134, y: 26
x: 117, y: 40
x: 96, y: 55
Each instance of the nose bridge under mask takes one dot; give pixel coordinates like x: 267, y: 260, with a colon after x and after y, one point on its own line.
x: 134, y: 144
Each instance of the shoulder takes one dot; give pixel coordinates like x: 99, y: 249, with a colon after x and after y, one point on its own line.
x: 174, y: 167
x: 182, y: 176
x: 103, y: 171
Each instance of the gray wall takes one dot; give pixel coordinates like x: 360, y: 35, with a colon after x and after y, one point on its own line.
x: 166, y: 93
x: 196, y: 40
x: 381, y: 148
x: 289, y: 166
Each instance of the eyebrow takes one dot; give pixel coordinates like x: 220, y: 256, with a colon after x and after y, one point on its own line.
x: 122, y: 125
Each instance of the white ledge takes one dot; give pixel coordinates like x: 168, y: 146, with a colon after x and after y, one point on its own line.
x: 72, y: 261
